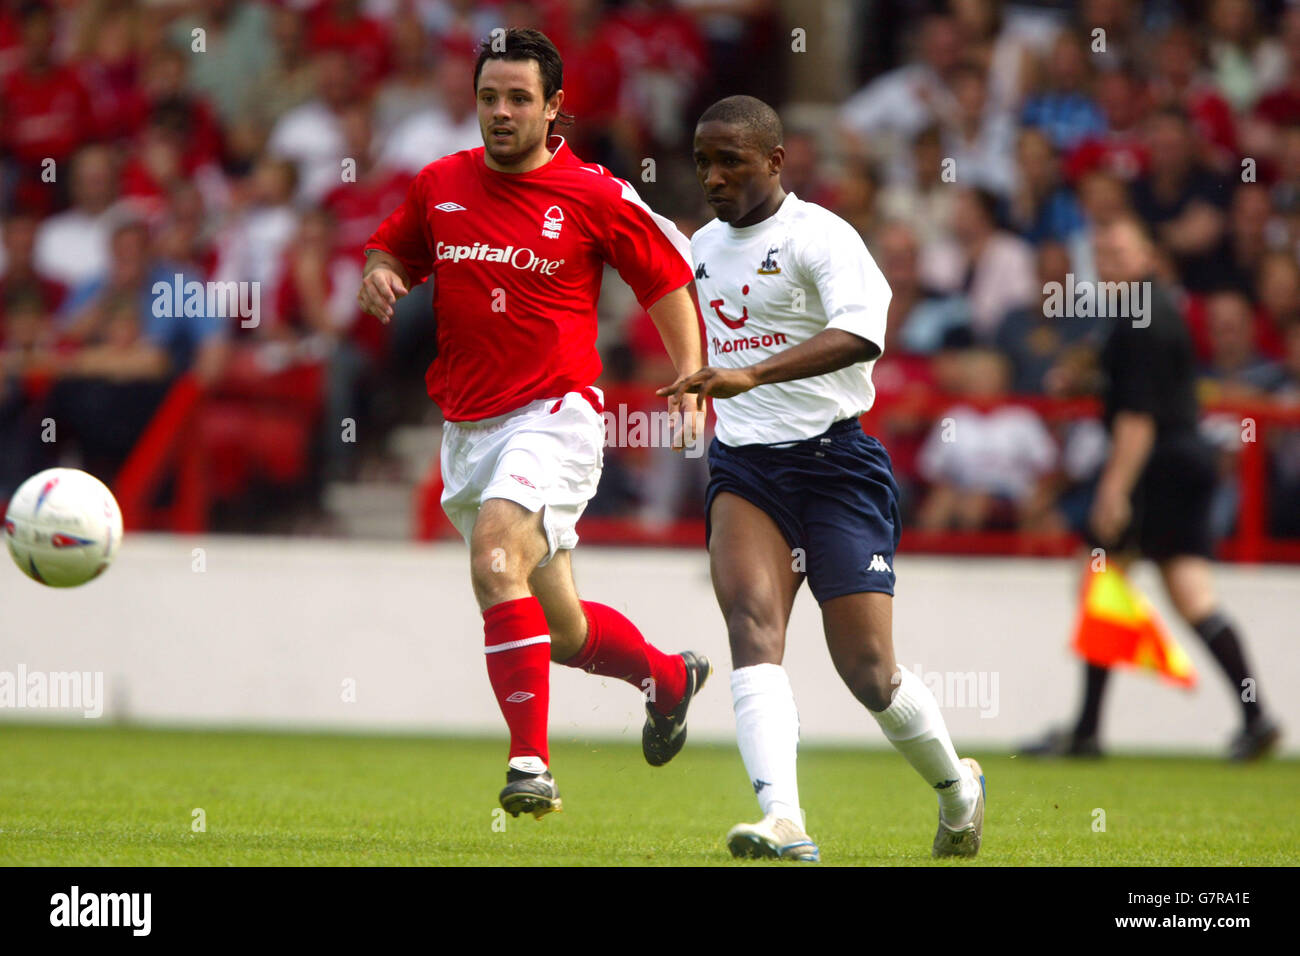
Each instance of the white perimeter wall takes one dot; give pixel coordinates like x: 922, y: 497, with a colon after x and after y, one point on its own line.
x: 270, y: 631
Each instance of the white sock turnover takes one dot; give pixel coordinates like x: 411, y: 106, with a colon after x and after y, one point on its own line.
x: 767, y: 729
x: 914, y: 725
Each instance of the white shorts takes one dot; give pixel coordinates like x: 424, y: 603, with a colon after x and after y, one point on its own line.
x: 546, y: 456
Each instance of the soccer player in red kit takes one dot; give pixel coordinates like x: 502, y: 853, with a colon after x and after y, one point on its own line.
x: 515, y: 235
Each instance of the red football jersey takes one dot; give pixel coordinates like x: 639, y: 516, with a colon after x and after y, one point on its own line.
x: 516, y: 260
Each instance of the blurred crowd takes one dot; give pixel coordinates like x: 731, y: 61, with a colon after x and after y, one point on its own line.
x: 985, y: 146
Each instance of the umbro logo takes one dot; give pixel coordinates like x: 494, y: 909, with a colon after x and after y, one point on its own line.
x: 518, y: 697
x: 523, y: 481
x: 879, y: 564
x: 701, y: 272
x: 450, y: 207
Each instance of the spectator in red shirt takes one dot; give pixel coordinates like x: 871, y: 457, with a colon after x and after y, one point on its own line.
x: 1277, y: 289
x: 339, y: 25
x: 1121, y: 150
x: 26, y: 352
x: 664, y: 61
x: 45, y: 114
x: 373, y: 192
x: 593, y: 86
x: 315, y: 299
x: 110, y: 69
x: 21, y: 278
x: 1281, y: 106
x: 191, y: 116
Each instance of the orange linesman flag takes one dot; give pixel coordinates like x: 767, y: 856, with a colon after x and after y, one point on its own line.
x: 1118, y: 626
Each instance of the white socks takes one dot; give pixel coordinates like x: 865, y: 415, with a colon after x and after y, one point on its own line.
x: 915, y: 727
x: 767, y: 728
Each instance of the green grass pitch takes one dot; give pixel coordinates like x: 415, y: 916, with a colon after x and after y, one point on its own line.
x: 78, y: 796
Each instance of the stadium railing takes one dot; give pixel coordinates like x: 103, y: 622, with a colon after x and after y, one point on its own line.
x: 214, y: 440
x: 1250, y: 541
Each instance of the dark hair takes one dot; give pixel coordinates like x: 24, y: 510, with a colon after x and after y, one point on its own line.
x: 526, y: 44
x: 758, y: 119
x: 988, y: 203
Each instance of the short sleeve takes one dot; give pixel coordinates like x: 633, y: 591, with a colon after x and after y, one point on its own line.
x: 1134, y: 366
x: 649, y: 252
x: 404, y: 235
x: 853, y: 290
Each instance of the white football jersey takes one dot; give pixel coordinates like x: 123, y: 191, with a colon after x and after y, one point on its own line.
x: 767, y: 287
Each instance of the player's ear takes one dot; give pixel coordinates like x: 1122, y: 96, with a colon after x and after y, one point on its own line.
x: 554, y: 104
x: 776, y: 160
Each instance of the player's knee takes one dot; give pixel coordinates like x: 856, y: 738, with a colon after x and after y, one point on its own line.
x: 495, y: 576
x: 871, y: 680
x: 755, y: 633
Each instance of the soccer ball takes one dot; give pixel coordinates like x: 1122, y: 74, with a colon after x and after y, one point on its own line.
x: 63, y: 527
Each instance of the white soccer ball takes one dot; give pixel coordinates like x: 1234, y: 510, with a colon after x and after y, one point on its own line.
x: 63, y: 527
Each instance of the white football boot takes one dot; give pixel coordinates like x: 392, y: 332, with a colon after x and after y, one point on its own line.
x: 965, y: 840
x: 772, y: 837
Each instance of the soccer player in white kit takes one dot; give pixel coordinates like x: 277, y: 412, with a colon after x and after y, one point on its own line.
x: 795, y: 310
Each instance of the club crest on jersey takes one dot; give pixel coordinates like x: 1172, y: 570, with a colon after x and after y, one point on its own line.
x: 552, y: 222
x: 768, y: 266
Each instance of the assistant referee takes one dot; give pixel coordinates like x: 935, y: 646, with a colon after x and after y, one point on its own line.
x: 1154, y: 493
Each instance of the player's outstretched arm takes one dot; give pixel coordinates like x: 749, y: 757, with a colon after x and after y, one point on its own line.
x: 828, y: 351
x: 676, y: 319
x: 383, y: 282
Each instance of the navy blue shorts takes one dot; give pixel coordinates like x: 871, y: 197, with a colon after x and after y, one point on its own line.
x: 833, y: 496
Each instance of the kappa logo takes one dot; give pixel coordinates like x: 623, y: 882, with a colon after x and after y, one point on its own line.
x: 701, y: 272
x: 760, y: 784
x: 879, y: 564
x: 552, y: 223
x: 524, y: 481
x: 450, y: 207
x: 768, y: 266
x: 518, y: 697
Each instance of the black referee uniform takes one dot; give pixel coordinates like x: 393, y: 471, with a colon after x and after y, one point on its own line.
x: 1150, y: 369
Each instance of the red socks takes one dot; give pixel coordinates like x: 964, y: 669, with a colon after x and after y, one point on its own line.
x: 518, y: 646
x: 615, y: 648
